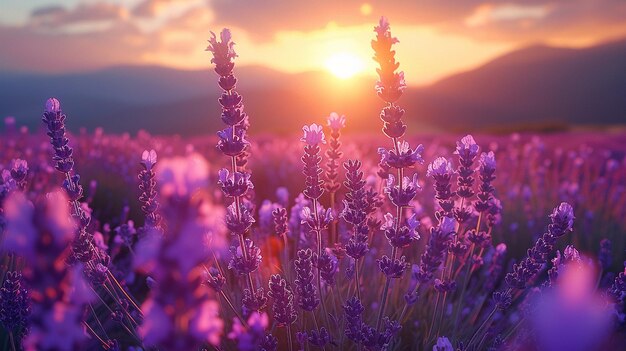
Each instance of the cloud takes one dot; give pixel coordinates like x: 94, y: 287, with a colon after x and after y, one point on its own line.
x: 574, y: 22
x: 58, y: 16
x: 262, y: 19
x: 34, y: 50
x: 515, y: 20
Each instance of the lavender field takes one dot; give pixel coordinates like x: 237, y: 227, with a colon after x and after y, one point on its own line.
x: 319, y: 239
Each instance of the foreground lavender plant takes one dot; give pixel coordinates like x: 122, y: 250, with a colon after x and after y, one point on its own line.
x: 389, y: 87
x: 61, y: 293
x: 179, y: 313
x: 315, y: 218
x: 236, y: 182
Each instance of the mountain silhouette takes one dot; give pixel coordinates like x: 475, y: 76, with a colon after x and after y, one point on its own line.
x: 538, y: 86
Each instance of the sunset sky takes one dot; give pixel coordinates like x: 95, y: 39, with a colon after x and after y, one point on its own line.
x: 438, y: 37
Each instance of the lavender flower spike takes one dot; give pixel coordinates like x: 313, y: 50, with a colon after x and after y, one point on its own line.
x: 307, y: 296
x: 562, y: 220
x: 236, y: 182
x: 148, y: 197
x: 279, y: 290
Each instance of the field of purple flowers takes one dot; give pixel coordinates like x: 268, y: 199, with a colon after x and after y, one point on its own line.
x: 322, y: 240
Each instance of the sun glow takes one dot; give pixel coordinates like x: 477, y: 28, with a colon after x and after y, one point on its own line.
x: 344, y: 65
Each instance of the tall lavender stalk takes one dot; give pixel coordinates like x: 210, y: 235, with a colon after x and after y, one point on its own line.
x: 54, y: 118
x: 236, y: 182
x: 389, y: 87
x: 336, y: 123
x: 315, y: 218
x: 355, y: 212
x: 284, y: 311
x: 478, y: 238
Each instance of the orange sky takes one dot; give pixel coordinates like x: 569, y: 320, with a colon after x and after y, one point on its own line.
x: 437, y: 38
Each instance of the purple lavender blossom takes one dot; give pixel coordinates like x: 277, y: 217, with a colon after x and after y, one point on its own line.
x: 402, y: 194
x: 14, y: 305
x: 402, y: 156
x: 306, y: 293
x: 486, y: 172
x: 56, y: 316
x: 279, y: 216
x: 215, y: 279
x: 605, y: 256
x: 313, y: 135
x: 284, y: 311
x: 54, y: 119
x: 244, y: 263
x: 253, y: 337
x: 562, y: 220
x: 443, y: 344
x: 328, y: 265
x: 354, y: 314
x: 441, y: 171
x: 438, y: 242
x: 467, y: 149
x: 336, y: 123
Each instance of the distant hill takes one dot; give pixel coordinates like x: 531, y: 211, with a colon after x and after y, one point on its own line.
x: 535, y: 86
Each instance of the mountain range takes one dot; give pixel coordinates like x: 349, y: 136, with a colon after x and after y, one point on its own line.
x: 535, y: 87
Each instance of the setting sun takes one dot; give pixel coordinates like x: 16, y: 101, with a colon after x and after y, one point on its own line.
x: 344, y: 65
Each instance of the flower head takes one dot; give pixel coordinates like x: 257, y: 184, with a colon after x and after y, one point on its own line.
x: 487, y: 161
x: 53, y: 105
x: 439, y: 167
x: 336, y: 121
x: 313, y: 135
x: 148, y: 159
x: 467, y: 147
x: 443, y: 344
x: 562, y: 219
x: 383, y: 30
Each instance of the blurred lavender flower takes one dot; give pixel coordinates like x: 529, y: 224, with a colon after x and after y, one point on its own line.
x: 443, y: 344
x: 214, y: 279
x: 321, y: 338
x: 253, y: 337
x: 279, y: 216
x: 56, y: 315
x: 605, y: 256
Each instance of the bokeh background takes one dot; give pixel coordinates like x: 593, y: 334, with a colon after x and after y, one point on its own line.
x: 470, y: 65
